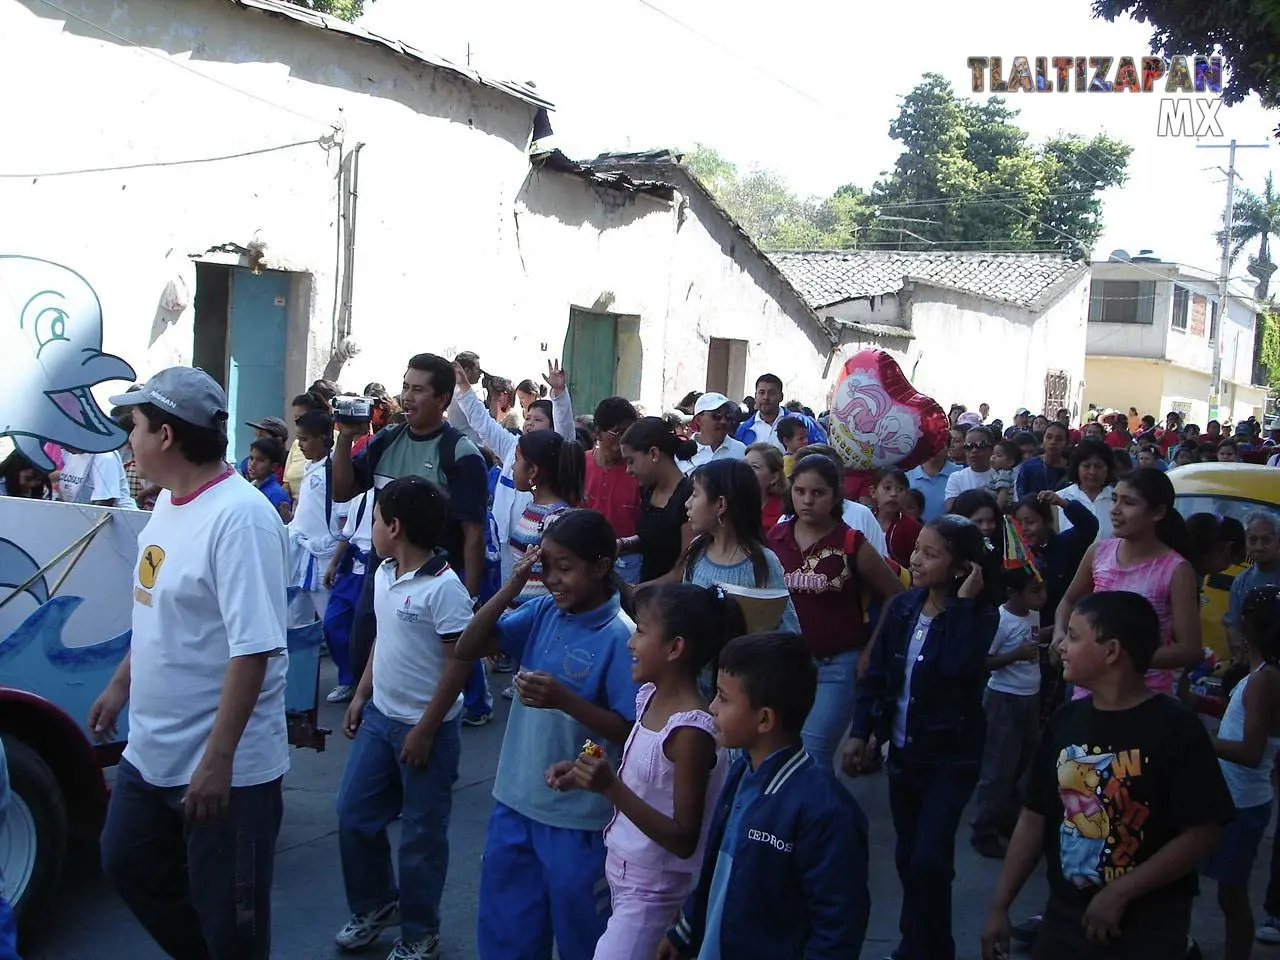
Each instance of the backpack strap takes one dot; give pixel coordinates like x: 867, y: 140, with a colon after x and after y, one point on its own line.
x: 448, y: 448
x: 328, y: 491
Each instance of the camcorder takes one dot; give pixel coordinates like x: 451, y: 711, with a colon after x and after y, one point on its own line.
x: 352, y: 409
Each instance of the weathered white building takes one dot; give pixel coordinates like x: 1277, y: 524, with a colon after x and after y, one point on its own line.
x: 1150, y: 326
x: 1003, y: 329
x: 662, y: 292
x: 276, y: 195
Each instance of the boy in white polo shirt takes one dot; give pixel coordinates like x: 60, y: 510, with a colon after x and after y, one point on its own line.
x: 397, y: 767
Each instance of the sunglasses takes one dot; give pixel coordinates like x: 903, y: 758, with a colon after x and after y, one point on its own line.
x: 716, y: 416
x: 977, y: 446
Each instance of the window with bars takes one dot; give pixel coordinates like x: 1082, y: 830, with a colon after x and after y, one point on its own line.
x: 1122, y: 301
x: 1181, y: 307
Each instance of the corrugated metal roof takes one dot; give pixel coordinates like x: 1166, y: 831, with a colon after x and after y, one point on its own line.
x: 667, y: 163
x: 613, y: 180
x: 1028, y: 280
x: 323, y: 21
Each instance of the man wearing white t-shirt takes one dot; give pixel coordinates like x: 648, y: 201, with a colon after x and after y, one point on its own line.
x: 978, y: 445
x: 191, y: 827
x: 713, y: 414
x: 96, y: 478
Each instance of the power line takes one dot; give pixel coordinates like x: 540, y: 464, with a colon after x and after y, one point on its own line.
x: 749, y: 62
x: 182, y: 66
x: 159, y: 163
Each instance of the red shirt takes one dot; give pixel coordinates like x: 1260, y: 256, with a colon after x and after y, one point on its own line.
x: 824, y: 588
x: 1116, y: 441
x: 901, y: 537
x: 613, y: 492
x: 772, y: 512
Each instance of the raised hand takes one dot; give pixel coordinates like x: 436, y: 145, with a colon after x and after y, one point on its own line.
x: 555, y: 377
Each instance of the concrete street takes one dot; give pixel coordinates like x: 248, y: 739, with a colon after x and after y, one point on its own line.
x: 92, y: 924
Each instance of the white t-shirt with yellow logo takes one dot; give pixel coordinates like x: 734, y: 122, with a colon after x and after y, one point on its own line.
x: 210, y: 585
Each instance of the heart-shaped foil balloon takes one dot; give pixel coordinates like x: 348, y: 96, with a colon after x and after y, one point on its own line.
x: 879, y: 420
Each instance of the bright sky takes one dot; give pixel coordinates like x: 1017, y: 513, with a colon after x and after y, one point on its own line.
x: 625, y: 76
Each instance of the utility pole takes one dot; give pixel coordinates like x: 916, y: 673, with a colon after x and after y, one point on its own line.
x: 1215, y: 331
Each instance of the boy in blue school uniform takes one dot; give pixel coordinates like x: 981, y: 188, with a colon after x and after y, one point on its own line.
x: 266, y: 457
x: 785, y: 870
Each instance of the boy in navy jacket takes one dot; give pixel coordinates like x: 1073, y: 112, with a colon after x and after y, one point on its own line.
x: 785, y: 869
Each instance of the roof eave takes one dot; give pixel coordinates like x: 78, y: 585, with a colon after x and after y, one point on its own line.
x: 322, y: 21
x: 666, y: 160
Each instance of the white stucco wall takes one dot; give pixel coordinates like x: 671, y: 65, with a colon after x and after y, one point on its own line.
x: 1156, y: 387
x: 1159, y: 340
x: 688, y: 278
x: 970, y: 350
x: 443, y: 162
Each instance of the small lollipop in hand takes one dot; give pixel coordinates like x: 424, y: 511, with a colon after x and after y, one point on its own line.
x: 592, y: 749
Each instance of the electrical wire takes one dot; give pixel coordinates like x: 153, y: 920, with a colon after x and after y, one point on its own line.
x: 159, y: 163
x: 182, y: 66
x: 749, y: 62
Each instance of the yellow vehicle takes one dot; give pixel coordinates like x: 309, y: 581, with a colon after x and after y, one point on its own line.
x: 1229, y: 490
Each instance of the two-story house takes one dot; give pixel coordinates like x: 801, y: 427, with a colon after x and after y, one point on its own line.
x: 1151, y: 324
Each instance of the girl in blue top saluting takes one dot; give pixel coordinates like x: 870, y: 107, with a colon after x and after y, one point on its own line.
x: 543, y: 875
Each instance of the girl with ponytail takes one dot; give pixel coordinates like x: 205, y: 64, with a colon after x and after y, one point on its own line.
x: 1149, y: 555
x: 651, y: 448
x: 550, y: 469
x: 672, y: 770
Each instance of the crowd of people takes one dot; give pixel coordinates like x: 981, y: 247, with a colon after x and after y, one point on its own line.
x: 704, y: 615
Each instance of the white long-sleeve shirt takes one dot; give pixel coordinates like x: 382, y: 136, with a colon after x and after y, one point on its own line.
x: 508, y: 502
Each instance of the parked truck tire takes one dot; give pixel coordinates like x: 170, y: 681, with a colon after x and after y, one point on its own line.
x: 33, y: 841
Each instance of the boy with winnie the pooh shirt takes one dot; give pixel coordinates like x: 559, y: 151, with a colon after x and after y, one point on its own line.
x: 1125, y: 797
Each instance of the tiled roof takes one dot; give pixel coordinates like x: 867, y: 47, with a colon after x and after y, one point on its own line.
x: 1026, y: 280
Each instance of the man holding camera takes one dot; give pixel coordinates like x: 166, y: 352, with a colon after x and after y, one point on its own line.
x: 426, y: 446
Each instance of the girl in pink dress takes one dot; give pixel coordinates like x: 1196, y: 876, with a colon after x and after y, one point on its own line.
x: 1147, y: 556
x: 672, y: 770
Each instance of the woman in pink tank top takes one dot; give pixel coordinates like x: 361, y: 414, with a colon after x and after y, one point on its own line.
x: 1146, y: 557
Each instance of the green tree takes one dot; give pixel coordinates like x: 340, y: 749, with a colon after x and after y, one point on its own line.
x: 1256, y: 217
x: 342, y: 9
x: 967, y: 176
x: 1247, y: 32
x: 1269, y: 330
x: 774, y: 216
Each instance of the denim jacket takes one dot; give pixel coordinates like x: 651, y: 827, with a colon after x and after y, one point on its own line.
x: 945, y: 721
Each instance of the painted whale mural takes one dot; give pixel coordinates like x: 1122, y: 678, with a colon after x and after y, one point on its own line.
x: 50, y: 358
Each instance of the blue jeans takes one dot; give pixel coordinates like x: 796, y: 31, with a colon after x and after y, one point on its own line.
x: 627, y: 567
x: 927, y: 801
x: 832, y: 709
x: 538, y: 884
x: 201, y: 889
x: 375, y: 787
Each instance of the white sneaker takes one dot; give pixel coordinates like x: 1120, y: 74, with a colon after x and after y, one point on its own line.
x: 428, y: 949
x: 510, y: 692
x: 364, y: 928
x: 342, y: 693
x: 1268, y: 931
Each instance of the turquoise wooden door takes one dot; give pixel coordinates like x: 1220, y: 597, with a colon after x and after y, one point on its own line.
x: 255, y: 379
x: 590, y: 357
